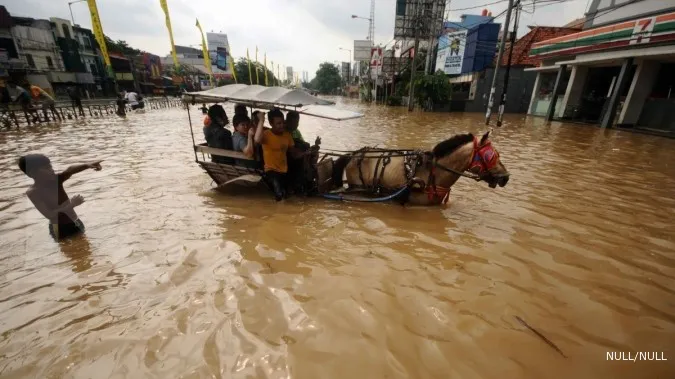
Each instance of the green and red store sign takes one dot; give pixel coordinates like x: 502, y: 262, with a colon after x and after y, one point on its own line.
x: 643, y: 31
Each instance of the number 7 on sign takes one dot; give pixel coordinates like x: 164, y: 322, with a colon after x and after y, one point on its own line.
x: 642, y: 31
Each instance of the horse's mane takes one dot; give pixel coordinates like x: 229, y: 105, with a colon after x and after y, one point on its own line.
x: 448, y: 146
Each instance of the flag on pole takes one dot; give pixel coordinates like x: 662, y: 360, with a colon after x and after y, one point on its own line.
x: 205, y: 51
x: 257, y: 79
x: 250, y: 77
x: 165, y: 7
x: 266, y: 83
x: 98, y: 34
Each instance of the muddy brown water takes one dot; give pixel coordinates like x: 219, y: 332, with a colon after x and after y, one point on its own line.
x: 175, y: 280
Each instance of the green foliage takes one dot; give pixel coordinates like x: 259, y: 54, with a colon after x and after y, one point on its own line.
x: 241, y: 68
x: 395, y: 100
x: 327, y: 79
x: 121, y: 47
x: 435, y: 87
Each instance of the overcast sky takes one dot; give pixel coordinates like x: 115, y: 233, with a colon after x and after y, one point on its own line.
x: 298, y: 33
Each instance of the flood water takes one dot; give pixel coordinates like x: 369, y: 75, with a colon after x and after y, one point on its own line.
x: 176, y: 280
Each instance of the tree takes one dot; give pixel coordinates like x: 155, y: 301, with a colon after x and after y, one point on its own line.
x: 434, y: 87
x: 121, y: 47
x: 241, y: 68
x: 327, y: 78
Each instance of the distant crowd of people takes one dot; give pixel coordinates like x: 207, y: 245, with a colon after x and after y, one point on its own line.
x: 279, y: 150
x: 32, y: 97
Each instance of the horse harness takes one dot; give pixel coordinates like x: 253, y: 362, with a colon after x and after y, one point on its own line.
x: 483, y: 158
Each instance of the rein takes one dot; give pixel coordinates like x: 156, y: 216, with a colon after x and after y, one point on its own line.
x: 448, y: 169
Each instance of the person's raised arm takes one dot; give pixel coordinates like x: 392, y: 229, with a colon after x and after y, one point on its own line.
x: 75, y: 169
x: 259, y: 129
x: 248, y: 150
x: 52, y: 213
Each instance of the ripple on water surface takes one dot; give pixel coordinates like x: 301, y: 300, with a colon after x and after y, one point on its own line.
x: 175, y: 280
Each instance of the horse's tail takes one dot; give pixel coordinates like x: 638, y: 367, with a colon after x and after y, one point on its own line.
x: 339, y: 169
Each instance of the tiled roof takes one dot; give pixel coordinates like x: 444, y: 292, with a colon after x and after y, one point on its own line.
x: 524, y: 44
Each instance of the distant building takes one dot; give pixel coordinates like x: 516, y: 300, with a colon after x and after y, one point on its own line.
x: 618, y: 70
x: 474, y: 88
x: 37, y: 47
x: 289, y: 74
x: 78, y: 54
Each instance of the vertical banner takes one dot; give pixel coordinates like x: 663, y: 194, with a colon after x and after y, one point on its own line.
x: 205, y: 51
x: 266, y: 83
x: 250, y: 77
x: 257, y: 78
x: 234, y: 69
x: 98, y: 34
x: 165, y: 8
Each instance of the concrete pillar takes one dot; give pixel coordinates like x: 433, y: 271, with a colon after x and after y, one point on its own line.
x: 608, y: 117
x: 535, y: 92
x: 640, y: 88
x: 574, y: 91
x: 554, y: 98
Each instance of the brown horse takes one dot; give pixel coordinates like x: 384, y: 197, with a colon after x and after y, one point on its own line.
x: 429, y: 175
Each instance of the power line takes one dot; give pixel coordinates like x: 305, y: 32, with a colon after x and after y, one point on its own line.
x: 478, y: 6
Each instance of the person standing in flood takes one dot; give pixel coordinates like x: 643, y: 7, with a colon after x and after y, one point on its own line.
x: 75, y: 99
x: 40, y: 95
x: 50, y: 198
x: 121, y: 105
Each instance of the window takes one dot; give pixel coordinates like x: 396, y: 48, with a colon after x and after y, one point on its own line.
x: 92, y: 67
x: 50, y: 63
x: 30, y: 61
x: 66, y: 31
x: 87, y: 42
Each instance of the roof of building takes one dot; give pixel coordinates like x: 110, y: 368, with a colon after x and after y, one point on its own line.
x: 187, y: 50
x: 536, y: 34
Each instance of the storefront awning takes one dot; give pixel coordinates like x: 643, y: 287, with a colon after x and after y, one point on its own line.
x: 609, y: 56
x: 465, y: 78
x: 554, y: 67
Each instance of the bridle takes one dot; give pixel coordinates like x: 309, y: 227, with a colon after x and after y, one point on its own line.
x: 483, y: 158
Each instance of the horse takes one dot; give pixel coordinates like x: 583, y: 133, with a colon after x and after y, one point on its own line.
x: 422, y: 177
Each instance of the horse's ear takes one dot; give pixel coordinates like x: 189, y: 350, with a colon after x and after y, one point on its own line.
x: 485, y: 138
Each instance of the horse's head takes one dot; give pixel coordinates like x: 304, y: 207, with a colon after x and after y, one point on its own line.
x: 485, y: 162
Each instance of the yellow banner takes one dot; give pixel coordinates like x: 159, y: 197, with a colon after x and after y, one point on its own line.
x: 266, y: 83
x: 257, y: 79
x: 98, y: 33
x: 234, y: 69
x: 165, y: 7
x: 205, y: 51
x: 250, y: 77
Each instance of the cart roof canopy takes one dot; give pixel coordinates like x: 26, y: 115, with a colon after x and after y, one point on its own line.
x: 270, y: 97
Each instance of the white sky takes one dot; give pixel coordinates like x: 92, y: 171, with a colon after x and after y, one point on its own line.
x: 298, y: 33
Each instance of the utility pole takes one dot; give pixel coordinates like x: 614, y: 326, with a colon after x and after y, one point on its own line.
x: 491, y: 101
x: 502, y: 103
x: 413, y: 65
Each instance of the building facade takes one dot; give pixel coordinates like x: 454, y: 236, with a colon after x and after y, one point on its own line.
x: 37, y: 47
x: 619, y: 70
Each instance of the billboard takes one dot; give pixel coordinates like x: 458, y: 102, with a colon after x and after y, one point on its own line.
x: 221, y: 58
x: 362, y: 50
x: 345, y: 70
x: 376, y: 61
x: 451, y: 52
x: 215, y: 41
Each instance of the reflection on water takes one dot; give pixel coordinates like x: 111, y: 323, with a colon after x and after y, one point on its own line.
x: 174, y: 279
